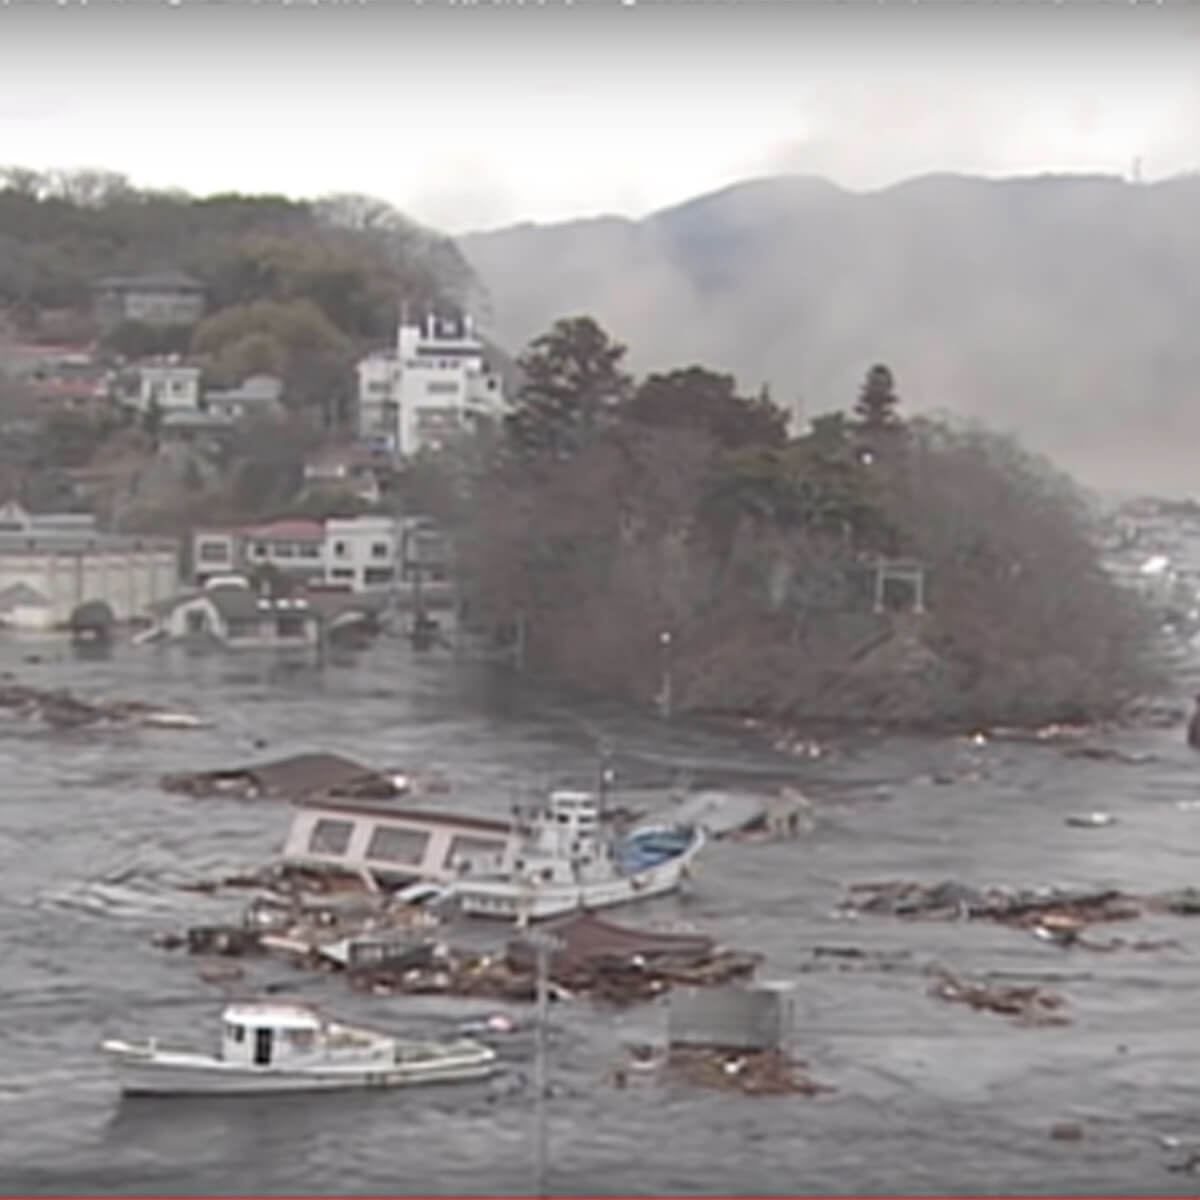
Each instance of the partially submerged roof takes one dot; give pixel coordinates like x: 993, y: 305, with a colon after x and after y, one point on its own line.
x: 297, y: 776
x: 21, y: 595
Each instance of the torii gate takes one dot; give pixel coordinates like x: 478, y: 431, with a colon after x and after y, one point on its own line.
x: 899, y: 570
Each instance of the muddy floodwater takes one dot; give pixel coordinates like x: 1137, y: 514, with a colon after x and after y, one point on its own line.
x: 930, y: 1096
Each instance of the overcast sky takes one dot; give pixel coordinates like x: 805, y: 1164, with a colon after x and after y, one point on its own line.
x: 482, y: 114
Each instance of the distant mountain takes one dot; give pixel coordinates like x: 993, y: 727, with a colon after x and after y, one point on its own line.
x: 1062, y: 308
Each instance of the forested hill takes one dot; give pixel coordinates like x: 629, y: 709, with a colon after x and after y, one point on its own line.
x: 294, y: 287
x: 1061, y: 308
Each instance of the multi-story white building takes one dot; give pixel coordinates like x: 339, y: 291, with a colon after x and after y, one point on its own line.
x: 435, y: 384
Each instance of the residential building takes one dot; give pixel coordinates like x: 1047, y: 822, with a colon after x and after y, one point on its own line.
x: 74, y: 381
x: 362, y: 552
x: 168, y: 383
x: 355, y: 553
x: 350, y: 469
x: 171, y: 298
x: 295, y: 546
x: 195, y: 426
x: 436, y: 384
x: 50, y: 564
x: 255, y: 396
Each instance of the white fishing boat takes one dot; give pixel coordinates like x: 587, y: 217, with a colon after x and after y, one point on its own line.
x: 276, y: 1047
x: 567, y: 861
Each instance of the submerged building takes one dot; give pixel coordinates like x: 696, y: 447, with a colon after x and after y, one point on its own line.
x: 51, y: 564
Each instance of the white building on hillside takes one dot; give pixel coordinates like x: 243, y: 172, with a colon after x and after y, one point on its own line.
x: 172, y: 385
x: 436, y: 383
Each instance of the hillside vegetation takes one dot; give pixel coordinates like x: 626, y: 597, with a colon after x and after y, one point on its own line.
x: 664, y: 540
x: 295, y: 288
x: 1056, y: 308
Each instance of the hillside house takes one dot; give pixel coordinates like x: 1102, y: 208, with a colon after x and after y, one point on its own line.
x: 257, y: 396
x: 351, y: 469
x: 435, y: 384
x: 168, y: 383
x: 169, y: 298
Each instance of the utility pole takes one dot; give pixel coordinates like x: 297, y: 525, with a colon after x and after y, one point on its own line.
x: 542, y: 944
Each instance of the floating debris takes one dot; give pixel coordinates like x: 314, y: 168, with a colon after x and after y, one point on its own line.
x: 853, y: 958
x: 1023, y: 907
x: 750, y: 1072
x: 1028, y: 1005
x: 1108, y: 754
x: 299, y: 775
x: 1092, y: 820
x: 62, y: 710
x: 610, y: 963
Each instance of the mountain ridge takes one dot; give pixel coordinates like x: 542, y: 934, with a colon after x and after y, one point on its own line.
x: 1055, y: 306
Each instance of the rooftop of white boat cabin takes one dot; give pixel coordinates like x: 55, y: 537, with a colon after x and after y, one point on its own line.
x: 272, y: 1014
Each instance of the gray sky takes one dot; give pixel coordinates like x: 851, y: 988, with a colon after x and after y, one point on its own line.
x: 481, y: 115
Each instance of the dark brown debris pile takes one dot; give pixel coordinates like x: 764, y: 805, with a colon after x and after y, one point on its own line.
x: 1030, y: 908
x: 1026, y: 1005
x: 750, y: 1072
x: 854, y: 958
x: 609, y: 963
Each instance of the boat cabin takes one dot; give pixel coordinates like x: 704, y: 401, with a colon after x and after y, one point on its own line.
x: 399, y: 845
x: 270, y: 1034
x: 562, y: 840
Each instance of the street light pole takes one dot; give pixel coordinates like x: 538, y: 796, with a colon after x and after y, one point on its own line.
x: 666, y: 699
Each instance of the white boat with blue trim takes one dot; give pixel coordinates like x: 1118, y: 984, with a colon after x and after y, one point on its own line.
x: 275, y: 1047
x: 566, y: 861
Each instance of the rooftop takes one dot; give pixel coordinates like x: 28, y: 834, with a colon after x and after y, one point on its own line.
x: 273, y: 1013
x: 292, y: 528
x: 157, y: 281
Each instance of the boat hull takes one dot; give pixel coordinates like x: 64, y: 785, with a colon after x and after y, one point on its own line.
x: 506, y: 901
x: 141, y: 1075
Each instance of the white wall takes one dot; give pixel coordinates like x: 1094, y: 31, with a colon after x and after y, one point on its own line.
x: 356, y: 545
x: 175, y: 387
x: 128, y: 581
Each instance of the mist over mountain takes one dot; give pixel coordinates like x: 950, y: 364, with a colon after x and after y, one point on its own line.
x: 1060, y: 308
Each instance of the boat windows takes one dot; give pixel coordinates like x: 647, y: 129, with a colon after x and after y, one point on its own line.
x: 547, y: 874
x: 330, y: 836
x: 390, y: 844
x: 235, y: 1033
x: 301, y: 1039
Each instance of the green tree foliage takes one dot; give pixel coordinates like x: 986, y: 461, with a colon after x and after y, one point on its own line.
x: 323, y: 503
x: 759, y: 558
x: 877, y: 406
x: 704, y: 402
x: 572, y: 388
x: 133, y: 339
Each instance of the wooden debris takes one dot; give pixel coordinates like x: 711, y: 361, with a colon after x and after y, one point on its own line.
x: 752, y: 1073
x: 62, y: 710
x: 1027, y: 1005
